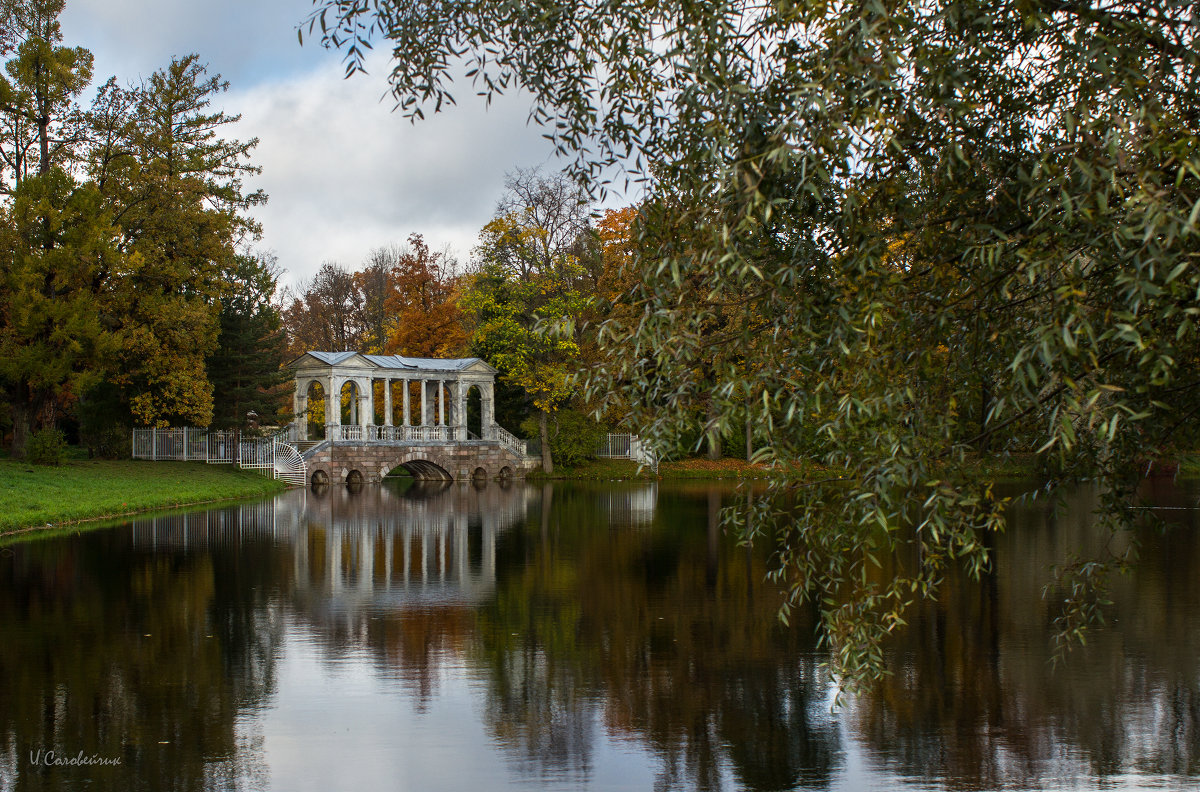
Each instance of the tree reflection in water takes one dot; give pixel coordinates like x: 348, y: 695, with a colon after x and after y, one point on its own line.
x: 581, y: 615
x: 667, y: 631
x: 141, y: 654
x: 974, y: 697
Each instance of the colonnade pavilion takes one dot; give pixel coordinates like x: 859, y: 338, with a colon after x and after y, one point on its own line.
x: 436, y: 410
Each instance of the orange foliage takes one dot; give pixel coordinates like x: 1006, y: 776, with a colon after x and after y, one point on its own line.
x: 424, y: 319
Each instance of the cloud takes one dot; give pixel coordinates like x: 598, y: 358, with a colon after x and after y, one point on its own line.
x: 345, y: 174
x: 246, y: 42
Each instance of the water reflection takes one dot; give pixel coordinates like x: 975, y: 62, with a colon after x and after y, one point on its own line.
x: 559, y: 637
x: 974, y: 696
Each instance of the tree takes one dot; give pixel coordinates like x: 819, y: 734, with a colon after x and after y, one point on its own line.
x: 326, y: 314
x: 897, y: 194
x: 424, y: 319
x: 175, y: 190
x: 54, y: 342
x: 40, y: 124
x: 529, y: 274
x: 246, y: 369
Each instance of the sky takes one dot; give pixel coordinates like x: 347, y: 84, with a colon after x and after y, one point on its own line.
x: 344, y: 173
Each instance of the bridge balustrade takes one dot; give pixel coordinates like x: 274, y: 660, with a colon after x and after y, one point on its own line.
x: 396, y: 434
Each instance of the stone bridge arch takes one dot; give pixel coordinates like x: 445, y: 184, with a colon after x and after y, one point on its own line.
x: 422, y: 468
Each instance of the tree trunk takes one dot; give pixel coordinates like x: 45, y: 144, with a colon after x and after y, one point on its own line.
x: 713, y: 436
x: 749, y: 428
x: 544, y: 431
x: 22, y: 417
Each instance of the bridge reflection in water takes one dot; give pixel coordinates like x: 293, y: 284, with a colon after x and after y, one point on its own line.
x: 382, y: 547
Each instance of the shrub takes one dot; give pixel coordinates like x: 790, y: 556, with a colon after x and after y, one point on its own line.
x: 574, y: 436
x: 46, y: 447
x: 112, y: 442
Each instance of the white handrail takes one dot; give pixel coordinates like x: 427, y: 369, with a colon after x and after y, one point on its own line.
x: 510, y: 441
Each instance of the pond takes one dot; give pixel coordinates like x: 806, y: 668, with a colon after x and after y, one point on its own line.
x: 565, y: 637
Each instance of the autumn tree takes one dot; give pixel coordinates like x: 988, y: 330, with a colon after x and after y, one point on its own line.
x: 324, y: 313
x: 528, y: 276
x: 175, y: 188
x: 41, y: 124
x: 424, y: 319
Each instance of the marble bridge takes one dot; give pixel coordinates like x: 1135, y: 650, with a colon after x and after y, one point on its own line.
x: 359, y: 417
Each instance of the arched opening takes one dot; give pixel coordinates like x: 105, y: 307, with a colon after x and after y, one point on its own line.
x: 474, y: 412
x: 377, y: 392
x: 423, y: 470
x: 354, y: 479
x: 315, y: 413
x: 319, y: 478
x: 399, y: 480
x: 480, y: 474
x: 349, y: 414
x: 506, y: 473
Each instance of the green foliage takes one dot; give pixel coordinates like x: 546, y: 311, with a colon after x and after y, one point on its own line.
x: 176, y: 187
x: 246, y: 369
x: 574, y: 436
x: 54, y: 342
x: 939, y: 227
x: 119, y: 232
x: 529, y: 277
x: 46, y: 447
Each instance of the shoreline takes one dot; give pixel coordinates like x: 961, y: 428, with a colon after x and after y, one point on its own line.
x: 36, y: 499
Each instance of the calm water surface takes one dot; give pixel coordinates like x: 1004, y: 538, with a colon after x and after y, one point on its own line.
x: 603, y: 637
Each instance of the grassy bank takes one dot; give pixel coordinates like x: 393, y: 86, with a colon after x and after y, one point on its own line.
x: 32, y: 495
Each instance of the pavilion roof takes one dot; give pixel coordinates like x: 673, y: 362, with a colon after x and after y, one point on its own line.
x: 395, y: 362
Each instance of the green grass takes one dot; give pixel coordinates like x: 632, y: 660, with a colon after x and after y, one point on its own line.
x: 33, y: 495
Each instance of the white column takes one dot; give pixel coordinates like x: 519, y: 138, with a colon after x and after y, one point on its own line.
x: 387, y: 402
x: 460, y: 406
x: 424, y: 403
x: 487, y: 411
x: 300, y: 405
x: 407, y: 413
x: 441, y: 386
x: 366, y: 405
x: 333, y: 403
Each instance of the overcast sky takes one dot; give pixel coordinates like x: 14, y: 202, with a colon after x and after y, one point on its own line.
x: 344, y: 173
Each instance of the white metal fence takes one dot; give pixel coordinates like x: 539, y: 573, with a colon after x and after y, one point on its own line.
x: 622, y: 445
x: 263, y: 454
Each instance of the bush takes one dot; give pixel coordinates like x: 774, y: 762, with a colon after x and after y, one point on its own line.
x: 574, y: 436
x: 46, y: 447
x: 112, y: 442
